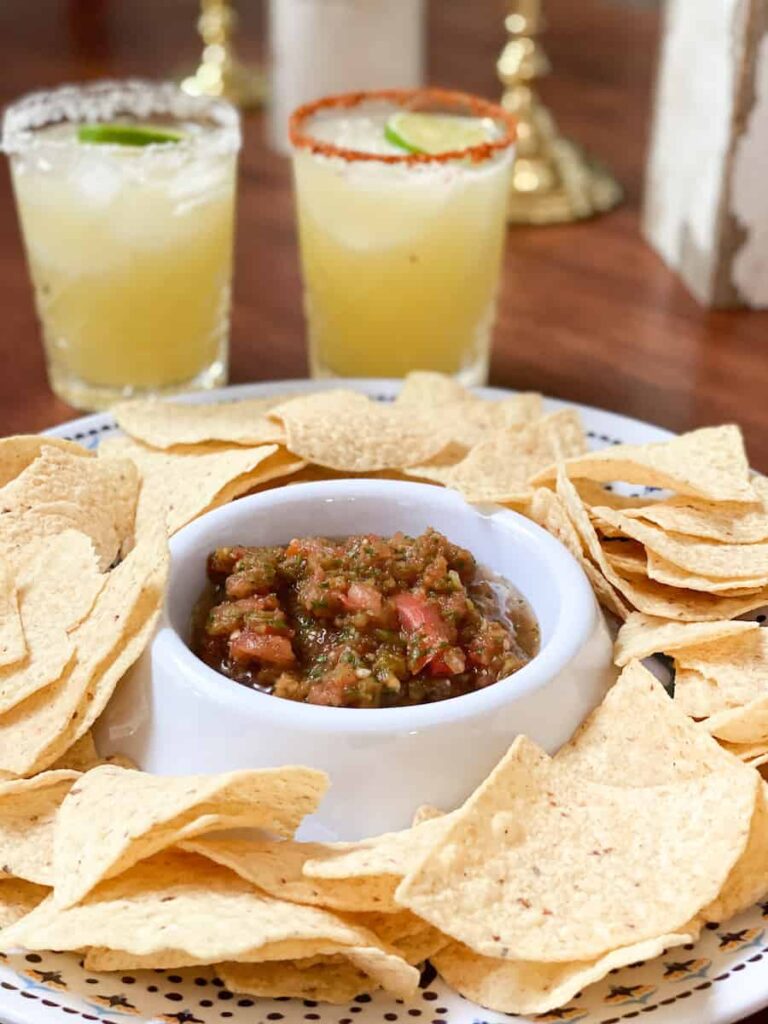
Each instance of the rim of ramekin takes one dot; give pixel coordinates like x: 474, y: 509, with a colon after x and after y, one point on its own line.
x: 303, y: 140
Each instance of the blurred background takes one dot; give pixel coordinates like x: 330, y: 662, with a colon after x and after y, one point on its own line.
x: 589, y: 312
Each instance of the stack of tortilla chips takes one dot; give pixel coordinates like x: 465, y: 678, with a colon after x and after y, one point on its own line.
x: 559, y: 870
x: 699, y: 553
x: 193, y: 458
x: 554, y: 872
x: 721, y: 675
x: 145, y: 888
x: 79, y: 595
x: 679, y: 566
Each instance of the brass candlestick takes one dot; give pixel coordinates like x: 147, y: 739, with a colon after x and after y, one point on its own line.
x: 220, y: 73
x: 553, y: 180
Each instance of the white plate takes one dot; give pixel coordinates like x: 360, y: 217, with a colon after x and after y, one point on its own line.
x: 720, y: 980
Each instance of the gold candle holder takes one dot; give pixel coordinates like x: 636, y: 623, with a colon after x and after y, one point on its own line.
x: 220, y: 73
x: 553, y: 180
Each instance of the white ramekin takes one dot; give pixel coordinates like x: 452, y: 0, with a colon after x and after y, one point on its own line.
x: 174, y: 715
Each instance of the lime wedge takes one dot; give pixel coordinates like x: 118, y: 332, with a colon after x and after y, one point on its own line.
x: 437, y: 133
x: 126, y: 134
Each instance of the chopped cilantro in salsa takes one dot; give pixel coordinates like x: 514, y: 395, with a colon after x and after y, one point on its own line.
x: 361, y: 622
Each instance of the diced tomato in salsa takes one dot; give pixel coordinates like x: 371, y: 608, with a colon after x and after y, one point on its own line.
x: 364, y: 621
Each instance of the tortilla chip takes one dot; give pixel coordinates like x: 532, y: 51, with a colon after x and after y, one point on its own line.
x: 322, y: 979
x: 276, y: 867
x: 745, y: 724
x: 45, y: 579
x: 18, y: 898
x: 16, y: 453
x: 606, y: 593
x: 736, y: 664
x: 13, y: 647
x: 427, y: 388
x: 709, y: 520
x: 182, y: 487
x: 748, y: 879
x: 101, y: 958
x: 525, y: 987
x: 51, y: 607
x: 119, y: 761
x: 753, y: 754
x: 92, y: 843
x: 345, y: 430
x: 352, y: 877
x: 280, y: 466
x: 163, y: 424
x: 656, y: 599
x: 630, y: 864
x: 498, y: 469
x: 394, y: 853
x: 709, y: 463
x: 37, y: 731
x: 698, y: 696
x: 663, y: 571
x: 646, y: 596
x: 639, y: 737
x: 381, y: 968
x: 699, y: 557
x: 465, y: 417
x: 138, y: 631
x: 414, y: 939
x: 28, y: 809
x: 467, y: 424
x: 179, y: 910
x: 599, y: 495
x: 81, y: 756
x: 626, y: 557
x: 64, y: 491
x: 426, y: 812
x: 644, y: 635
x: 547, y: 509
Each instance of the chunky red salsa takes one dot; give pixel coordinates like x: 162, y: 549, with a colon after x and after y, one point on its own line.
x: 362, y: 621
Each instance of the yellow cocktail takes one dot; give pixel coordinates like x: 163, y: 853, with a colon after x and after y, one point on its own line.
x: 401, y: 245
x: 128, y: 228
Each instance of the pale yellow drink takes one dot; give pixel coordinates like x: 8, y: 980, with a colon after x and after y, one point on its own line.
x: 400, y: 260
x: 130, y: 251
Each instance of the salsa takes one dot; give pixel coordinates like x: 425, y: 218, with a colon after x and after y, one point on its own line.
x: 361, y: 622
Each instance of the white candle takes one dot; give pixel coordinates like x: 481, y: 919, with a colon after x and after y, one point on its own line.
x: 320, y: 47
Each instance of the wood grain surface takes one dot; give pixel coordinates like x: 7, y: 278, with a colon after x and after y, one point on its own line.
x: 588, y: 312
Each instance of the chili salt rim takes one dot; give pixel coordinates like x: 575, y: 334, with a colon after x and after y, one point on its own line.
x: 401, y: 97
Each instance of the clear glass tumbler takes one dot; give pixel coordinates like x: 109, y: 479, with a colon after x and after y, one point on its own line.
x: 126, y: 194
x: 401, y: 250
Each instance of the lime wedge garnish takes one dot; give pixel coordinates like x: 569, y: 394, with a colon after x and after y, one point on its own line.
x: 126, y: 134
x: 437, y: 133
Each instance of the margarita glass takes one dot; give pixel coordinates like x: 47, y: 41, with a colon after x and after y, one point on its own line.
x: 401, y: 245
x: 125, y: 193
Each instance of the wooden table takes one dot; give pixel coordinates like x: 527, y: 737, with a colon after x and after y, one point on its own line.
x: 588, y: 312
